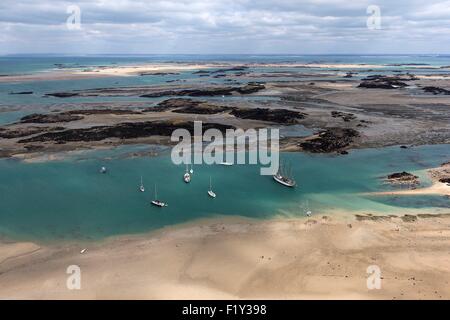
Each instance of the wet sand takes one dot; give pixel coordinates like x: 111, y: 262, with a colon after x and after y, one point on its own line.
x: 314, y: 258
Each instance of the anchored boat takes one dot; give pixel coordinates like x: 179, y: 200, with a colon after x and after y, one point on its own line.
x: 187, y: 175
x: 284, y: 177
x: 157, y: 202
x: 211, y: 193
x: 141, y: 187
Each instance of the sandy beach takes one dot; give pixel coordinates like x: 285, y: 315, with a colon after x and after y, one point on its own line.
x: 323, y: 257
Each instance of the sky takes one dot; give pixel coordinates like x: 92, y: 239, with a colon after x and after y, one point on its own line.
x: 224, y: 27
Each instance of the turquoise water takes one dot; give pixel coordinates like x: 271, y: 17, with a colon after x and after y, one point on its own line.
x: 70, y: 200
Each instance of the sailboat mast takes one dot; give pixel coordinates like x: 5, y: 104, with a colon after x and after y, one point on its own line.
x: 156, y: 195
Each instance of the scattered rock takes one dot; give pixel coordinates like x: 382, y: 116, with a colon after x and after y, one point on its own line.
x: 386, y: 82
x: 347, y: 117
x: 330, y: 140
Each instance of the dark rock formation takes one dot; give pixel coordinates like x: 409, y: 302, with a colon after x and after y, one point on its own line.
x: 63, y: 94
x: 444, y: 180
x: 436, y: 90
x: 158, y: 74
x: 386, y: 82
x: 402, y: 178
x: 121, y: 131
x: 25, y: 132
x: 102, y: 111
x: 221, y: 71
x: 349, y: 75
x: 72, y: 115
x: 185, y: 105
x: 205, y: 92
x: 272, y: 115
x: 343, y: 115
x: 50, y: 118
x: 330, y: 140
x: 22, y: 92
x: 152, y: 92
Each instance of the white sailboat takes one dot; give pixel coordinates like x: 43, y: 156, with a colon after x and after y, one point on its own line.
x: 141, y: 187
x: 157, y: 202
x: 187, y: 175
x: 103, y: 170
x: 283, y: 176
x: 211, y: 193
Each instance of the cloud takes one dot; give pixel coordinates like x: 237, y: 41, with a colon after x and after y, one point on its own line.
x: 224, y: 26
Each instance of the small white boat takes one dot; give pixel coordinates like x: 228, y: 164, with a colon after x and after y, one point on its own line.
x: 157, y: 202
x: 187, y: 176
x: 103, y: 170
x: 211, y: 193
x: 224, y: 163
x: 83, y: 251
x: 141, y: 187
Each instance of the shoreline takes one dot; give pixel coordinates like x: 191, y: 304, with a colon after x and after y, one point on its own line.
x: 304, y: 258
x: 125, y: 70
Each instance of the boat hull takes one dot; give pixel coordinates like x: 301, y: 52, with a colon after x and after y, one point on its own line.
x: 290, y: 184
x: 158, y: 203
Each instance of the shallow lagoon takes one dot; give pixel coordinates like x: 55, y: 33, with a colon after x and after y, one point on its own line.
x: 70, y: 200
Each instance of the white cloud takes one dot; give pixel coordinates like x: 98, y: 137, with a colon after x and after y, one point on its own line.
x: 224, y: 26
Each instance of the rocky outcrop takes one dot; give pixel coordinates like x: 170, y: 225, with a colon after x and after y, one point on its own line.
x: 122, y: 131
x: 272, y: 115
x: 208, y: 92
x: 402, y: 178
x: 347, y: 117
x: 152, y: 92
x: 158, y: 74
x: 436, y: 90
x: 223, y: 70
x: 386, y: 82
x: 25, y: 132
x: 63, y: 94
x: 22, y: 92
x: 186, y: 105
x: 330, y: 140
x: 50, y: 118
x: 72, y: 115
x: 102, y: 111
